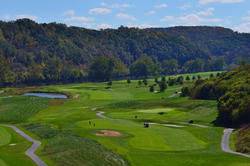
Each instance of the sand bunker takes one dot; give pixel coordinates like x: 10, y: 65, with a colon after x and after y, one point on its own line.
x: 108, y: 133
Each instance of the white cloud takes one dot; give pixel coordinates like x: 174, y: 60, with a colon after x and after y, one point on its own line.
x: 72, y: 19
x: 141, y: 26
x: 100, y: 11
x: 31, y: 17
x: 198, y: 18
x: 119, y: 6
x: 69, y: 13
x: 244, y: 26
x: 185, y: 6
x: 246, y: 18
x: 124, y: 16
x: 104, y: 26
x: 194, y: 19
x: 151, y: 12
x: 167, y: 18
x: 207, y: 12
x: 161, y: 6
x: 204, y: 2
x: 19, y: 16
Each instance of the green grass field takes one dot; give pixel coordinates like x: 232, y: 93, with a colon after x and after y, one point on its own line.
x: 67, y: 128
x: 12, y: 148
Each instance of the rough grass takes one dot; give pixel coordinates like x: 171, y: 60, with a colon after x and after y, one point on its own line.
x: 19, y: 108
x: 66, y: 148
x: 243, y: 140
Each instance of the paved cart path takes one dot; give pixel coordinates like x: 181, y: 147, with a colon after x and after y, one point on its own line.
x: 225, y: 143
x: 31, y: 151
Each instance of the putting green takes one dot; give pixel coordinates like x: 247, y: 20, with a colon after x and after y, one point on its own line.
x: 155, y: 138
x: 5, y: 136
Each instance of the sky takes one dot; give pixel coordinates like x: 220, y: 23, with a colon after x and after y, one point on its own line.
x: 102, y: 14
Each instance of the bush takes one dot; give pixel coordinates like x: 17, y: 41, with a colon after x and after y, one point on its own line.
x: 145, y: 82
x: 162, y: 86
x: 185, y: 91
x: 151, y: 88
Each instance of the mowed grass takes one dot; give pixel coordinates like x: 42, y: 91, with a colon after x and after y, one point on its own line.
x: 155, y: 138
x: 68, y: 138
x: 12, y: 148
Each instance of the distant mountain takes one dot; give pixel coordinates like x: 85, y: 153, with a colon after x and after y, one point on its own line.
x: 31, y: 52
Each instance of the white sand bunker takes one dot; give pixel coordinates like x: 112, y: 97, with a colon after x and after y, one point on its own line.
x: 108, y: 133
x: 12, y: 144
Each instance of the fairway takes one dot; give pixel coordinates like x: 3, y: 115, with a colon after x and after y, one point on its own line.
x: 72, y: 131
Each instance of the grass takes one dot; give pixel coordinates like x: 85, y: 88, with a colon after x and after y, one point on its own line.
x: 68, y: 139
x: 12, y: 148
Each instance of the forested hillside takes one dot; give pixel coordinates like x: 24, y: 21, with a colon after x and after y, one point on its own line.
x: 232, y: 90
x: 34, y: 53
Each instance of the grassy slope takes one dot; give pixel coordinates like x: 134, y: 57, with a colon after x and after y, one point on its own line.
x: 63, y: 121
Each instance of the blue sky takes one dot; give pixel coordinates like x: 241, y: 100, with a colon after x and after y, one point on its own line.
x: 98, y: 14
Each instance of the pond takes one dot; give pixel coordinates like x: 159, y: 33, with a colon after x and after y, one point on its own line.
x: 47, y: 95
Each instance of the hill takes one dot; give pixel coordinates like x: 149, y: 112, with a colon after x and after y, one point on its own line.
x: 232, y: 90
x: 34, y: 53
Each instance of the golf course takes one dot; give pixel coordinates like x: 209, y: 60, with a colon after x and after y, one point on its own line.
x: 100, y: 124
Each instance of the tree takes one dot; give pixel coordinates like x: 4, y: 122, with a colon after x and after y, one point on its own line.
x: 180, y: 80
x: 187, y: 78
x: 151, y: 88
x: 145, y: 82
x: 192, y: 66
x: 156, y: 80
x: 143, y: 67
x: 128, y: 81
x: 139, y: 83
x: 185, y: 91
x: 211, y: 75
x: 216, y: 64
x: 170, y: 66
x: 162, y: 85
x: 163, y: 79
x: 6, y: 75
x: 101, y: 69
x: 52, y: 71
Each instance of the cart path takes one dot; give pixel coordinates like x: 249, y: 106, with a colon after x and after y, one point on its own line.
x: 31, y: 151
x: 225, y: 142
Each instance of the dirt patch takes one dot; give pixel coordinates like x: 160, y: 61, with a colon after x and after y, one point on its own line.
x: 108, y: 133
x: 56, y: 102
